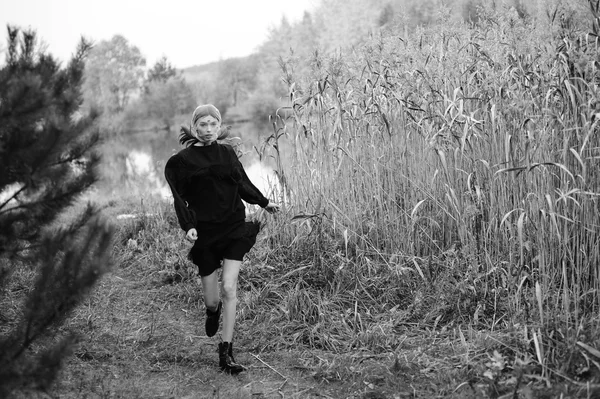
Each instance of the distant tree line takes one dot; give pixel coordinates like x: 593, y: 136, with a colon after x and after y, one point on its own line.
x: 131, y: 98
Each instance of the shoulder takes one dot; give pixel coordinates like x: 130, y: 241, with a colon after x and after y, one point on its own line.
x: 175, y: 159
x: 228, y: 149
x: 225, y: 146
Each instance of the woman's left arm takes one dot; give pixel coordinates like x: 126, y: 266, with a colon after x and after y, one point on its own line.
x: 252, y: 195
x: 247, y: 190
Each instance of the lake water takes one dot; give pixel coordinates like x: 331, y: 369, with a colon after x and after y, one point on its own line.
x: 133, y: 165
x: 143, y: 157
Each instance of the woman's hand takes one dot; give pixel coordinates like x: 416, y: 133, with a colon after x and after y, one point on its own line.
x: 192, y: 235
x: 272, y: 207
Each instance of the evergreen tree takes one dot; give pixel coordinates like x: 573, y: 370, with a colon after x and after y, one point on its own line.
x: 47, y: 160
x: 164, y: 100
x: 161, y: 71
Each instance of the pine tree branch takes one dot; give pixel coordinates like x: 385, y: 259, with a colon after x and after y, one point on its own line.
x: 10, y: 198
x: 60, y: 284
x: 38, y: 144
x: 46, y: 201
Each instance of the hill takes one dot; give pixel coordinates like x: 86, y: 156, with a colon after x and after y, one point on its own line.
x: 200, y: 72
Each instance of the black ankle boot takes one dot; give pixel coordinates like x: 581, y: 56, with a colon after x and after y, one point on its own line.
x: 212, y: 320
x: 226, y: 361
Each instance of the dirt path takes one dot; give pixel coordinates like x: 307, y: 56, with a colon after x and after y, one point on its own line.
x: 142, y: 337
x: 146, y: 340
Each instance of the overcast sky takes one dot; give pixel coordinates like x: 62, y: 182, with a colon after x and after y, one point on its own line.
x: 187, y: 32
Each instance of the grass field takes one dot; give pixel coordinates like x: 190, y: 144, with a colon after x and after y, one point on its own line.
x: 142, y: 334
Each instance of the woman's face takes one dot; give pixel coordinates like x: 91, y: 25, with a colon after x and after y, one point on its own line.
x: 207, y: 129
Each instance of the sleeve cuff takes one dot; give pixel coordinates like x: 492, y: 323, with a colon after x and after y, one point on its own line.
x: 187, y: 227
x: 264, y: 203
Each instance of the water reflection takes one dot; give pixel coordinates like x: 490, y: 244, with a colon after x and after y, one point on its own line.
x: 141, y: 159
x: 140, y: 168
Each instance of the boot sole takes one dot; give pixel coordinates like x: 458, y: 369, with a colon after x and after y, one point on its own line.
x: 231, y: 371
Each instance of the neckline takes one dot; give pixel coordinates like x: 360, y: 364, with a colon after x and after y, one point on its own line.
x: 204, y: 146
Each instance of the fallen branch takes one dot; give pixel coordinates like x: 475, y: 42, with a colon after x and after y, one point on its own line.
x: 269, y: 366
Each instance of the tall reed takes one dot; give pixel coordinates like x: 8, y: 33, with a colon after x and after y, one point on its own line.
x: 467, y: 152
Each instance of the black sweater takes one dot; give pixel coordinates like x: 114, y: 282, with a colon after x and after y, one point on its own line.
x: 208, y: 185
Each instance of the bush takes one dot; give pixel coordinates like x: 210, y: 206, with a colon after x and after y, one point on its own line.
x: 49, y: 260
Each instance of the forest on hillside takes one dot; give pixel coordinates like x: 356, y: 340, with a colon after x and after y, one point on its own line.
x: 134, y: 96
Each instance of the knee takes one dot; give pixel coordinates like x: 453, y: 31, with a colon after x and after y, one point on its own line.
x: 211, y: 303
x: 229, y: 290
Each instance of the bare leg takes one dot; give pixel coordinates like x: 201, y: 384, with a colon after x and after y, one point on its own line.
x: 231, y: 269
x: 210, y: 286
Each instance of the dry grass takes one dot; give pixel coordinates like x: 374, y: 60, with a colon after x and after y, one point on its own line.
x: 326, y: 329
x: 304, y: 331
x: 457, y: 165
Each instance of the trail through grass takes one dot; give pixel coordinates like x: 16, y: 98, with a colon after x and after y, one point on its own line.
x: 142, y: 336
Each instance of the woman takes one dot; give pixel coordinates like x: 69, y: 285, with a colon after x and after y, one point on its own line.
x: 208, y: 183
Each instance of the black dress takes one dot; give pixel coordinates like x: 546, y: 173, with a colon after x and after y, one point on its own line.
x: 208, y: 185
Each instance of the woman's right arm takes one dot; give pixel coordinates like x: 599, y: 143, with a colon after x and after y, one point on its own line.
x: 176, y: 180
